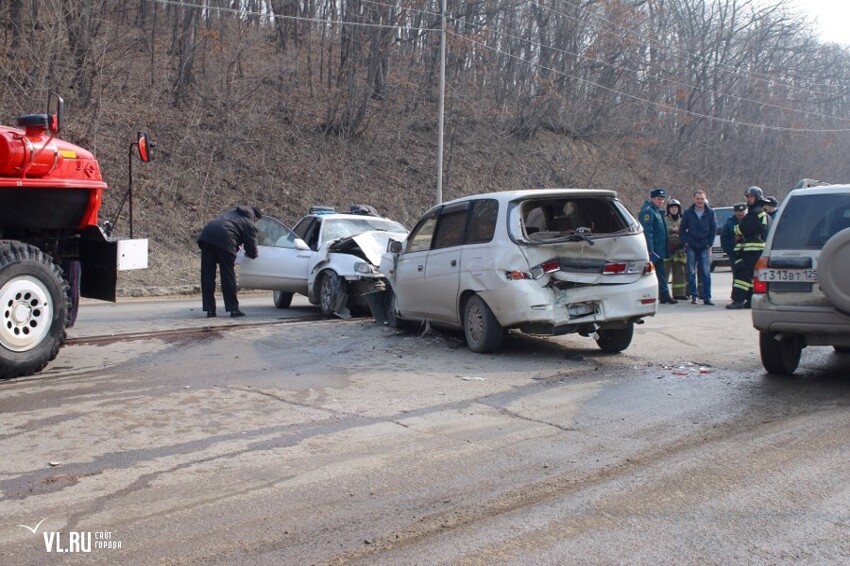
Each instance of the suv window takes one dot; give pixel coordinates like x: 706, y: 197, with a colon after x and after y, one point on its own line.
x: 808, y: 221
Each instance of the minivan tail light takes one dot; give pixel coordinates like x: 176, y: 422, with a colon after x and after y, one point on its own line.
x: 759, y: 286
x: 620, y: 267
x: 550, y: 266
x: 614, y: 268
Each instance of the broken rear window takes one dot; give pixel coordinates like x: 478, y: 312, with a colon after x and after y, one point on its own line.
x: 558, y: 218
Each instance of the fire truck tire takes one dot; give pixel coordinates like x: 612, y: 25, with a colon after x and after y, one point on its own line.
x: 34, y: 309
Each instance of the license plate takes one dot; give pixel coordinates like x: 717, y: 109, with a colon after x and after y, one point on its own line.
x: 790, y: 275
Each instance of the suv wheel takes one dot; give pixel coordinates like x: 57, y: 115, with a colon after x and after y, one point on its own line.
x: 834, y: 270
x: 615, y: 340
x: 780, y: 356
x: 483, y: 332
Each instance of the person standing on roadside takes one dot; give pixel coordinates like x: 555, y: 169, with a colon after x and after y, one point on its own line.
x: 674, y: 263
x: 219, y: 241
x: 698, y: 229
x: 770, y: 205
x: 727, y: 233
x: 751, y: 232
x: 655, y: 230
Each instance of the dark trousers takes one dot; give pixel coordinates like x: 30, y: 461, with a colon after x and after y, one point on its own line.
x: 212, y: 256
x: 742, y: 273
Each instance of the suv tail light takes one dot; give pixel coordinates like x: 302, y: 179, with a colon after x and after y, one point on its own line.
x: 759, y: 286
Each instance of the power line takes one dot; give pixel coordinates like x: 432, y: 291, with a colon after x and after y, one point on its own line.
x: 272, y: 16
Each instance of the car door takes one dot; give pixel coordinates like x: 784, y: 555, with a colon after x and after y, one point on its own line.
x: 282, y: 263
x: 442, y: 268
x: 409, y: 281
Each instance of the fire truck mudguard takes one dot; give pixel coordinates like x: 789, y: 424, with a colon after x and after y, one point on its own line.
x: 34, y: 307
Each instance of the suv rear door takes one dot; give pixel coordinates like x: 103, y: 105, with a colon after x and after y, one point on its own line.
x: 805, y: 224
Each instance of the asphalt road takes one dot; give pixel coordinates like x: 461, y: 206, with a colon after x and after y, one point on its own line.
x: 280, y: 438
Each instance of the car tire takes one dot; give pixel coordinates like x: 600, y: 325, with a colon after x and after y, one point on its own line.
x: 282, y: 300
x: 615, y: 340
x: 834, y: 270
x: 780, y: 356
x: 483, y: 332
x: 35, y: 309
x: 331, y: 286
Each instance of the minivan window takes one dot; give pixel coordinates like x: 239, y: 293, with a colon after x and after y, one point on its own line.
x: 420, y: 237
x: 553, y: 218
x: 482, y: 224
x: 451, y: 230
x: 808, y: 221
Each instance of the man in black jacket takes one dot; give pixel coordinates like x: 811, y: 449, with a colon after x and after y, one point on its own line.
x: 219, y: 241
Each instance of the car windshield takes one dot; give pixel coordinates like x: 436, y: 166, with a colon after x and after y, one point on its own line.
x: 808, y: 221
x: 335, y: 228
x: 565, y: 217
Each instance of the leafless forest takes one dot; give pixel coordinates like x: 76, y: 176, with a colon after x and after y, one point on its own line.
x: 287, y: 103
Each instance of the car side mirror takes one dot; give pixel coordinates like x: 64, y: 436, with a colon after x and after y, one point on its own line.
x: 396, y: 247
x: 301, y: 244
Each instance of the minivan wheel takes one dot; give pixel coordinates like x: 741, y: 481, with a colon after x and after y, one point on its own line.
x: 780, y: 356
x: 615, y: 340
x: 282, y: 300
x: 483, y: 332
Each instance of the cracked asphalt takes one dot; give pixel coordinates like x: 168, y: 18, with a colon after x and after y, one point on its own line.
x: 345, y: 442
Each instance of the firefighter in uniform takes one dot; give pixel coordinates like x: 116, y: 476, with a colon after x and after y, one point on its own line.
x: 675, y: 261
x: 750, y: 233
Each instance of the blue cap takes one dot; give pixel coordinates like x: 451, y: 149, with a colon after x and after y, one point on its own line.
x: 658, y: 193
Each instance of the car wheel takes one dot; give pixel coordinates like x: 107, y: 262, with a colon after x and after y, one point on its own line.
x: 35, y: 302
x: 615, y: 340
x: 331, y: 288
x: 780, y: 356
x: 834, y: 270
x: 282, y: 300
x: 483, y: 332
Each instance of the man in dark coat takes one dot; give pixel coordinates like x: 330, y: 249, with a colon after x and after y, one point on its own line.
x: 652, y: 219
x: 698, y: 229
x: 219, y: 241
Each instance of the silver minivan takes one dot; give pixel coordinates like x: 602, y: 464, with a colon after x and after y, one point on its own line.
x: 801, y: 288
x: 548, y: 261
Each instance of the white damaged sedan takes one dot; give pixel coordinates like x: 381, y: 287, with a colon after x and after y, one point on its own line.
x: 329, y: 257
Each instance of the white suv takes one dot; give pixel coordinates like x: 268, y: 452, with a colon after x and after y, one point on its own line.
x: 802, y: 281
x: 543, y: 261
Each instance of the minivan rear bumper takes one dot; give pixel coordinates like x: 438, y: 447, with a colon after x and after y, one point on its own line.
x: 543, y: 310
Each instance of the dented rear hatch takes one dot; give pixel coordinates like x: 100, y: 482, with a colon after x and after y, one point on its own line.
x: 588, y: 238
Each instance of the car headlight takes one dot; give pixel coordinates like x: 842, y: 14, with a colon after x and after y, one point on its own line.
x: 363, y: 268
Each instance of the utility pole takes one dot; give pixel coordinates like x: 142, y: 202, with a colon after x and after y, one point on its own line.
x: 442, y: 108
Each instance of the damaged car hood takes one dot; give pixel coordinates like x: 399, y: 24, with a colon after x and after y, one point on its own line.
x: 367, y: 245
